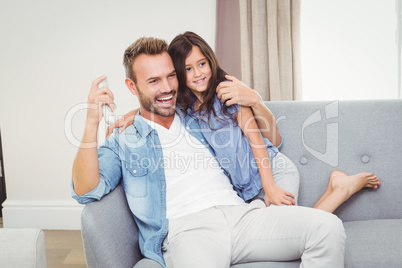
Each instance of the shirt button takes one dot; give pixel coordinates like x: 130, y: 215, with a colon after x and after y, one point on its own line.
x: 202, y: 140
x: 188, y: 128
x: 134, y: 171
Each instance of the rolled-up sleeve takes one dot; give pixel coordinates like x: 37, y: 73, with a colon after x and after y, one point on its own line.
x: 94, y: 195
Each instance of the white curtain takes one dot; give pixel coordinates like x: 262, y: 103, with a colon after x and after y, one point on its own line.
x: 270, y: 47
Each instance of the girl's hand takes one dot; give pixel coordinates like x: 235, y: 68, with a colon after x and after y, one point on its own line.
x: 236, y: 92
x: 123, y: 122
x: 277, y: 196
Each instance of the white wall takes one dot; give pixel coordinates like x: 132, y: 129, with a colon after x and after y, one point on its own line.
x: 349, y: 49
x: 50, y: 52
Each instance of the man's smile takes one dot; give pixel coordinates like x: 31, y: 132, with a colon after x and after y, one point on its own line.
x: 166, y: 100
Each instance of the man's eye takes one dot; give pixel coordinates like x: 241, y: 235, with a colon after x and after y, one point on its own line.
x: 172, y: 75
x: 152, y: 81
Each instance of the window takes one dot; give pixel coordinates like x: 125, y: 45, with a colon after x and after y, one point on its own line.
x: 351, y: 49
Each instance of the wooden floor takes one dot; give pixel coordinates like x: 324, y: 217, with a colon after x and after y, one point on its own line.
x: 64, y: 249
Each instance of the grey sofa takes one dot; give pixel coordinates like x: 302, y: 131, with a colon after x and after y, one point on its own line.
x: 351, y: 136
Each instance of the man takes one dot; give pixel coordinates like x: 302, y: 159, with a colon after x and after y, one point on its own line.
x: 192, y: 218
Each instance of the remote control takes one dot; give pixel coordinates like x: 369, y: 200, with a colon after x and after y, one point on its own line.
x: 107, y: 112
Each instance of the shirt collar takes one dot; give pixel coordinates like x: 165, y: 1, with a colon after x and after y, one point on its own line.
x: 180, y: 111
x: 141, y: 126
x: 144, y: 129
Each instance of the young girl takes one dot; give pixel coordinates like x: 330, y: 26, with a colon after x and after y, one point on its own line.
x: 238, y: 126
x: 230, y: 129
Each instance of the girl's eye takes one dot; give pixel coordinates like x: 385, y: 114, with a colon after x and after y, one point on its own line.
x: 188, y: 69
x: 202, y: 64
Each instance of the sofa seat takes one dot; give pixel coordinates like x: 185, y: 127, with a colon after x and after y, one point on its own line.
x: 370, y: 243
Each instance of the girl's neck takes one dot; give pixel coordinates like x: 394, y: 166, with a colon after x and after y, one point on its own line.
x: 196, y: 105
x: 198, y: 102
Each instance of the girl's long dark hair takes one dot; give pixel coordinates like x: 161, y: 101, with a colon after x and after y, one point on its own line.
x: 179, y: 49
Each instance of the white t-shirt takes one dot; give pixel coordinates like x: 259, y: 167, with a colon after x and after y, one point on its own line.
x: 194, y: 179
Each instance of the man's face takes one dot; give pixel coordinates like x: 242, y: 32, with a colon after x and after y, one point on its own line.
x: 156, y: 85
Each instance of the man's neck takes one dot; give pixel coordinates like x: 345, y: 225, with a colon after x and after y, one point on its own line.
x: 164, y: 121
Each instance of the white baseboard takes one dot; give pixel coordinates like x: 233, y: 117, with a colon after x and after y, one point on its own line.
x: 44, y: 214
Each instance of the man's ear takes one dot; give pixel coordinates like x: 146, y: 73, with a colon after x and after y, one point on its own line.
x: 131, y: 86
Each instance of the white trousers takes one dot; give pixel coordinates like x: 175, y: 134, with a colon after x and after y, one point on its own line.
x: 225, y: 235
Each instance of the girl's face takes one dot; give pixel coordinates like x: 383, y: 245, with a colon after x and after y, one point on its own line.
x: 198, y: 72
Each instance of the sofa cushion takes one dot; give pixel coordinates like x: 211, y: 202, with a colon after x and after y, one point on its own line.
x: 351, y: 136
x: 374, y: 243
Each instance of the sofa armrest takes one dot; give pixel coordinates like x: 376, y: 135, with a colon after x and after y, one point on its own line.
x: 22, y: 248
x: 109, y: 232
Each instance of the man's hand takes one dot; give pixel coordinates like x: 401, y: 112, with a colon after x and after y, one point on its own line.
x: 277, y: 196
x: 96, y: 99
x: 236, y: 92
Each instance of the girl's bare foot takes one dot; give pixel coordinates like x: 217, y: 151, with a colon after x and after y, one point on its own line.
x: 339, y: 181
x: 341, y: 187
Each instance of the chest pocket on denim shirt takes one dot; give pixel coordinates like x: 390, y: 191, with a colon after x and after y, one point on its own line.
x: 136, y: 185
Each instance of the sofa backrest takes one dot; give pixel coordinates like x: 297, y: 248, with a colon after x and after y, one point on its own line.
x: 350, y: 136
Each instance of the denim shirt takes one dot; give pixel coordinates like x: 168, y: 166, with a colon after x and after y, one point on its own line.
x: 136, y: 157
x: 233, y: 150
